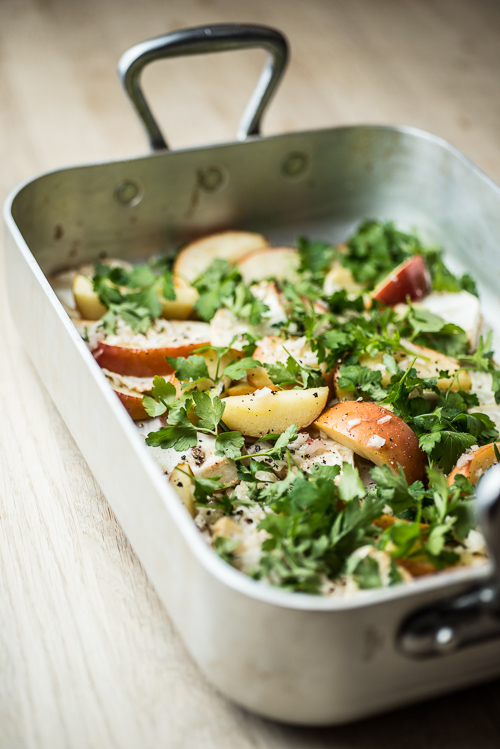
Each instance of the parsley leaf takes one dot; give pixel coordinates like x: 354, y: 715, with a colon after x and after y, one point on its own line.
x: 229, y: 444
x: 394, y: 489
x: 225, y: 547
x: 351, y: 487
x: 294, y: 373
x: 315, y: 256
x: 445, y: 447
x: 221, y: 285
x: 375, y: 249
x: 281, y: 441
x: 132, y: 295
x: 238, y: 369
x: 361, y: 380
x: 365, y: 571
x: 190, y: 369
x: 245, y: 306
x: 163, y: 397
x: 182, y: 437
x: 216, y: 283
x: 208, y: 410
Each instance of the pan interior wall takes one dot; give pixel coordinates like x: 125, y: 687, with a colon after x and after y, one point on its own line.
x: 319, y: 184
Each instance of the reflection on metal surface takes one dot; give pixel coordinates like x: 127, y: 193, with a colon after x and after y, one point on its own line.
x: 129, y: 193
x: 212, y: 178
x: 295, y: 165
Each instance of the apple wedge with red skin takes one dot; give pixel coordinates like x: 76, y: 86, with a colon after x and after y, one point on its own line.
x: 375, y: 433
x: 410, y: 279
x: 127, y: 359
x: 474, y: 464
x: 196, y: 256
x: 145, y: 359
x: 132, y: 399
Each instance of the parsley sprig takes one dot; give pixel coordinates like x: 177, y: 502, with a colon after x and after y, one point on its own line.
x: 179, y: 432
x: 293, y: 374
x: 221, y: 285
x: 320, y: 520
x: 482, y: 361
x: 131, y: 295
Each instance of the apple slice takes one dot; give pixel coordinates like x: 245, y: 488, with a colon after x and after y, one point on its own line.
x: 281, y: 263
x: 430, y: 363
x: 131, y: 397
x: 182, y: 306
x: 267, y: 411
x: 472, y: 465
x: 184, y: 486
x: 86, y: 300
x: 339, y: 278
x: 241, y: 388
x: 427, y: 364
x: 410, y: 279
x: 375, y: 433
x: 88, y: 304
x: 195, y: 257
x: 417, y: 566
x: 132, y: 400
x: 144, y: 355
x: 258, y: 379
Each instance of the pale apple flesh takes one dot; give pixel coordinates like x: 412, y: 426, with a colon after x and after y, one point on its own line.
x: 181, y: 479
x: 340, y: 278
x: 90, y: 308
x: 474, y: 464
x: 182, y: 307
x: 428, y: 363
x: 375, y: 433
x: 195, y: 257
x: 265, y: 412
x: 410, y: 279
x: 86, y: 300
x: 241, y: 388
x: 258, y: 378
x: 281, y: 263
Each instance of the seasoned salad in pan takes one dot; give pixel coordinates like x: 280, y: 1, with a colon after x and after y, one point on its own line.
x: 323, y: 411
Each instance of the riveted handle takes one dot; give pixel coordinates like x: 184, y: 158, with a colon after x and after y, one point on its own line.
x: 470, y: 617
x: 201, y: 40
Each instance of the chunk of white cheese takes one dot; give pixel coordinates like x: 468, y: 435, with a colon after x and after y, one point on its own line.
x: 202, y: 460
x: 461, y: 309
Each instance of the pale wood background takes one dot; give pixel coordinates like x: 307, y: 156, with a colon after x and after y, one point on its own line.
x: 88, y: 657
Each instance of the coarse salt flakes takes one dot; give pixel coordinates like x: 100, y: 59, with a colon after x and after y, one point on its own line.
x: 384, y: 419
x: 262, y: 392
x: 463, y: 460
x: 353, y: 423
x: 375, y: 441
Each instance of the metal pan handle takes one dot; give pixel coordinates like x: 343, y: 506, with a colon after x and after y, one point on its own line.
x: 201, y: 40
x: 470, y: 617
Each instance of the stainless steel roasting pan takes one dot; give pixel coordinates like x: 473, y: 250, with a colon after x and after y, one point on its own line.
x: 293, y: 657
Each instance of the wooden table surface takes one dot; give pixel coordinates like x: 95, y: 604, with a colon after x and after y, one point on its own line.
x: 88, y: 656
